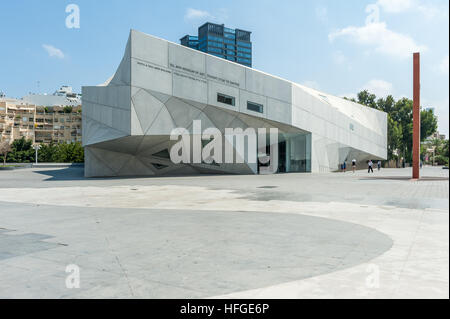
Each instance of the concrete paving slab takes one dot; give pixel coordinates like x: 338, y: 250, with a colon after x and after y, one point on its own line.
x: 280, y: 236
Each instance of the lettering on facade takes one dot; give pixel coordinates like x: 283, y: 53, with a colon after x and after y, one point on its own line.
x: 147, y: 65
x: 203, y: 75
x: 194, y: 75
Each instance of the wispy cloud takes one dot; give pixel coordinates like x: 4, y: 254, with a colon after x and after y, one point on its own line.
x: 378, y: 36
x: 195, y: 14
x: 395, y: 6
x: 220, y: 15
x: 53, y: 52
x: 378, y: 87
x: 427, y: 10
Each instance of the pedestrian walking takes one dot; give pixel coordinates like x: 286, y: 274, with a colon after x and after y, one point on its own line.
x: 379, y: 165
x: 353, y: 165
x: 370, y: 166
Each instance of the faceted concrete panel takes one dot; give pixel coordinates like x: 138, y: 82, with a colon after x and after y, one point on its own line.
x: 163, y: 98
x: 186, y: 60
x: 123, y: 97
x: 148, y: 76
x: 225, y: 71
x: 122, y: 120
x: 220, y: 118
x: 189, y: 87
x: 95, y: 167
x: 149, y: 49
x: 134, y: 167
x: 114, y: 160
x: 136, y: 128
x: 246, y: 96
x: 214, y: 88
x: 263, y: 84
x: 162, y: 125
x: 182, y: 113
x: 279, y: 111
x: 147, y: 108
x: 96, y: 132
x: 204, y: 121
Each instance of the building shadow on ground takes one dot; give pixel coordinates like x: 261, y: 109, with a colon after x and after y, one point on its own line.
x: 77, y: 173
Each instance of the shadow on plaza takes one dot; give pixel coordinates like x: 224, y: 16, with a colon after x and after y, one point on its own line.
x: 77, y: 174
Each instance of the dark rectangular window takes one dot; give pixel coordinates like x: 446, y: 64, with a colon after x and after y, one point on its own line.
x: 255, y: 107
x: 225, y: 99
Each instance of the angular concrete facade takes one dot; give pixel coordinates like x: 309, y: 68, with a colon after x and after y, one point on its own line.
x: 161, y: 85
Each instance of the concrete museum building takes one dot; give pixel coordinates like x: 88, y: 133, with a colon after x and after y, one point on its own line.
x: 160, y: 86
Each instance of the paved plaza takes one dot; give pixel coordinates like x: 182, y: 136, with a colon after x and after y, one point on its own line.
x: 337, y: 235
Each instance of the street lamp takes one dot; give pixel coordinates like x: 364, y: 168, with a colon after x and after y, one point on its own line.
x: 36, y: 147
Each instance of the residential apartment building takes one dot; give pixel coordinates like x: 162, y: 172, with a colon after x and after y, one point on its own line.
x: 41, y: 124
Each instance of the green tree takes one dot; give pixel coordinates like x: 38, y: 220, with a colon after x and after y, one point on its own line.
x: 428, y: 123
x: 386, y: 104
x: 47, y: 153
x: 366, y: 98
x: 22, y: 151
x: 400, y: 122
x: 67, y: 109
x: 395, y: 136
x: 445, y: 151
x: 69, y: 153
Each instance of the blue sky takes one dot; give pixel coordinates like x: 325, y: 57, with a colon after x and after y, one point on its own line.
x: 339, y: 47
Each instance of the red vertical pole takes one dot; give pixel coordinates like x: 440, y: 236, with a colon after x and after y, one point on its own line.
x: 416, y: 117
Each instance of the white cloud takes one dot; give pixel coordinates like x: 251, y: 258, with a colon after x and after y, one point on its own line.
x: 380, y: 88
x: 195, y: 14
x: 53, y: 52
x: 426, y: 9
x: 383, y: 40
x: 443, y: 66
x: 395, y: 6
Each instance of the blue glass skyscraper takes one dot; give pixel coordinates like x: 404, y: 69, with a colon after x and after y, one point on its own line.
x: 231, y: 44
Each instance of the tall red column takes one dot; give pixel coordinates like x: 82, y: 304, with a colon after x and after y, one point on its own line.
x: 416, y: 117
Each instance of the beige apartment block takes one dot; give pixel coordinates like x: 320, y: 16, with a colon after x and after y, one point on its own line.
x: 41, y: 124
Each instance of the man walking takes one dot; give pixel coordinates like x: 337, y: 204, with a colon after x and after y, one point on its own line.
x: 370, y: 166
x: 379, y: 165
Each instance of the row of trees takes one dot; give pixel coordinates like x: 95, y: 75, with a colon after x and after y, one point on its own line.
x: 21, y: 151
x: 400, y: 123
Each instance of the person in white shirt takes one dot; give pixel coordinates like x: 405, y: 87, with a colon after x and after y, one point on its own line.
x: 370, y: 166
x: 353, y: 165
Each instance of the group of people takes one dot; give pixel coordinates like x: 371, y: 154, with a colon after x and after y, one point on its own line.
x: 344, y: 166
x: 369, y: 163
